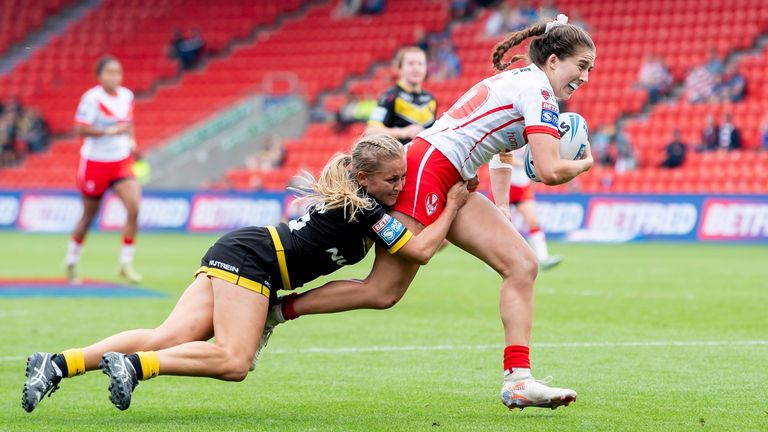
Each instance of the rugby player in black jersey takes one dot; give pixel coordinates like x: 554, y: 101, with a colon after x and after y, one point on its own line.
x: 230, y: 295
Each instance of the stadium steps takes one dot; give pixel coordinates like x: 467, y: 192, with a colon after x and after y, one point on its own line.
x: 55, y: 24
x: 20, y: 21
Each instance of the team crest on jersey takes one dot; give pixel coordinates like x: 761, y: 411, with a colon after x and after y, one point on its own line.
x: 432, y: 203
x: 545, y: 94
x: 389, y: 229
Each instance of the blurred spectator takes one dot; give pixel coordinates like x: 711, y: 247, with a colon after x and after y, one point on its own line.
x: 346, y: 8
x: 600, y: 141
x: 714, y: 64
x: 463, y: 9
x: 354, y: 111
x: 32, y: 131
x: 625, y: 154
x: 733, y: 86
x: 505, y: 19
x: 655, y: 78
x: 8, y: 154
x: 270, y: 157
x: 422, y: 38
x: 728, y: 136
x: 700, y: 85
x: 188, y: 51
x: 675, y: 151
x: 764, y: 135
x: 548, y: 10
x: 708, y: 134
x: 443, y: 62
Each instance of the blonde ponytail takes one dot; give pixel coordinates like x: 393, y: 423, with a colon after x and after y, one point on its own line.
x: 337, y: 187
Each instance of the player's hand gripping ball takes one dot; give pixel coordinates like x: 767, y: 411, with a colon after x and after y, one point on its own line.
x: 574, y: 137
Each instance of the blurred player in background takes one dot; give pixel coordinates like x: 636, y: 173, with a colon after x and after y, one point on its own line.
x: 105, y: 120
x: 406, y: 109
x: 229, y: 298
x: 521, y: 196
x: 499, y: 114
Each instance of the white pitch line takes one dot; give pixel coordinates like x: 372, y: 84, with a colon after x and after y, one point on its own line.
x: 636, y: 344
x: 535, y: 345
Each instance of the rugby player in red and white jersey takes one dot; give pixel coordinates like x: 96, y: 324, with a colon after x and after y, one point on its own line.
x: 105, y: 119
x: 521, y: 196
x: 498, y: 115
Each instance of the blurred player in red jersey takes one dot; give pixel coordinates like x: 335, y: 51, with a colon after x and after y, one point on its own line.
x: 105, y: 120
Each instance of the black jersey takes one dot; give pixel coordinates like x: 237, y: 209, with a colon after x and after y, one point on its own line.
x: 399, y: 107
x: 322, y: 241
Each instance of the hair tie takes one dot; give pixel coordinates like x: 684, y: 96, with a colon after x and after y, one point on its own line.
x: 561, y: 20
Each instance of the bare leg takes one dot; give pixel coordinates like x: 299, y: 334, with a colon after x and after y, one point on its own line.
x: 483, y: 231
x: 382, y: 289
x: 129, y: 193
x: 238, y: 320
x: 90, y: 208
x: 190, y: 320
x: 528, y: 210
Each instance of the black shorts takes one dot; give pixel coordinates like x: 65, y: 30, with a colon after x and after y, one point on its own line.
x: 245, y: 257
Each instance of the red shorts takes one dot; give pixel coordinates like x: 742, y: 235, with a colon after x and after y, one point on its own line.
x: 94, y: 178
x: 428, y: 178
x: 518, y: 194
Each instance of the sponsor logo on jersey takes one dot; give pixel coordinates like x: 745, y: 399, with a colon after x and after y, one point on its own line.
x: 549, y: 106
x: 512, y: 140
x: 432, y: 203
x: 549, y: 117
x: 223, y: 266
x: 389, y: 229
x: 545, y: 94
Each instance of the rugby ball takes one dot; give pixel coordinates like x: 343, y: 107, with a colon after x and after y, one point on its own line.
x: 574, y: 136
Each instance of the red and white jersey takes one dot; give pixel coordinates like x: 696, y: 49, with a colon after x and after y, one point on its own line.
x: 495, y: 116
x: 519, y: 177
x: 102, y: 110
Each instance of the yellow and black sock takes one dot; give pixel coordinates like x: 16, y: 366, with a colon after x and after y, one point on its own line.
x: 71, y: 362
x: 146, y: 363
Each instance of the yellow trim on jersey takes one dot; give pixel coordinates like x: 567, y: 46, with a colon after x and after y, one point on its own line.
x: 150, y: 364
x: 420, y: 114
x: 235, y: 279
x: 375, y: 123
x: 400, y: 243
x: 280, y: 257
x: 75, y: 360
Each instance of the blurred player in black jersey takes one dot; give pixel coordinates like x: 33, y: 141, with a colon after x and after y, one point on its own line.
x: 406, y: 109
x: 239, y: 275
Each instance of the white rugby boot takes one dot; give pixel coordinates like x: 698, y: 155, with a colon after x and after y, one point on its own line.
x: 529, y: 392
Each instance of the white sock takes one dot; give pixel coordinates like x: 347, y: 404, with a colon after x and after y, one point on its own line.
x: 73, y: 252
x: 518, y: 374
x: 538, y: 241
x: 126, y: 254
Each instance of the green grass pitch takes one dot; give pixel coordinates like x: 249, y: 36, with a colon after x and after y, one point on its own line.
x: 654, y: 337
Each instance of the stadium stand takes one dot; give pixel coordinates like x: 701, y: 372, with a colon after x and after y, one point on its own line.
x: 323, y: 52
x: 17, y: 19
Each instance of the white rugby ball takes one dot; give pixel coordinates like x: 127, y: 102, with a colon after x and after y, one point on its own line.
x: 574, y: 136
